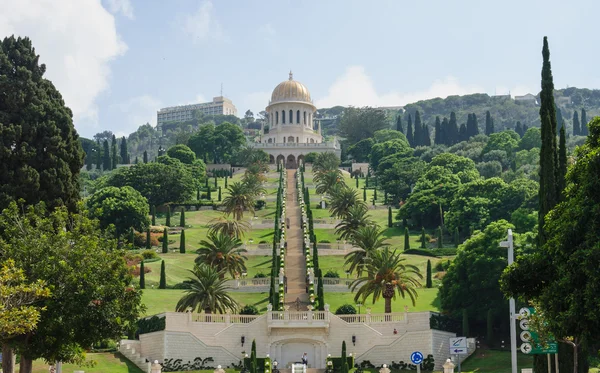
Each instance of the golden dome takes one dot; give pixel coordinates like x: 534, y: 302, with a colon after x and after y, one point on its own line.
x: 290, y: 90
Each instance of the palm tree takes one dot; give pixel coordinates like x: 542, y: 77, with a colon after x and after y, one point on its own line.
x: 341, y: 199
x: 355, y: 218
x: 223, y: 252
x: 327, y: 161
x: 368, y: 239
x: 386, y: 274
x: 327, y: 181
x: 229, y: 227
x: 238, y: 200
x: 208, y: 291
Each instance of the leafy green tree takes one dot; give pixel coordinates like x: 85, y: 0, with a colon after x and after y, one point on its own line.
x: 456, y: 237
x: 398, y: 147
x: 326, y: 161
x: 208, y: 292
x: 165, y: 241
x: 238, y: 200
x: 490, y: 327
x: 548, y: 195
x: 355, y: 217
x: 491, y: 168
x: 531, y: 139
x: 440, y: 238
x: 465, y: 323
x: 142, y: 276
x: 423, y: 239
x: 341, y: 199
x: 519, y: 129
x: 222, y: 142
x: 406, y: 239
x: 397, y: 174
x: 40, y: 155
x: 361, y: 150
x: 68, y: 253
x: 329, y: 182
x: 157, y: 182
x: 153, y: 213
x: 361, y: 123
x: 429, y: 280
x: 224, y: 252
x: 163, y: 276
x: 507, y: 141
x: 183, y: 153
x: 484, y: 260
x: 168, y: 217
x: 387, y: 274
x: 452, y: 130
x: 122, y: 207
x: 182, y: 242
x: 399, y: 127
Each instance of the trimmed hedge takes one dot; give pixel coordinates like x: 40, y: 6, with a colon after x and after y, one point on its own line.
x: 153, y: 324
x: 433, y: 252
x: 260, y: 363
x: 337, y: 362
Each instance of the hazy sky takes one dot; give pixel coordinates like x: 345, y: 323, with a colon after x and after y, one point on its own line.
x: 117, y: 62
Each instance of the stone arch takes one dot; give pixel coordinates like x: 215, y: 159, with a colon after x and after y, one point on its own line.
x: 276, y: 117
x: 280, y: 158
x: 290, y: 162
x: 283, y: 116
x: 298, y: 117
x: 304, y: 117
x: 286, y: 349
x: 300, y: 159
x: 291, y: 116
x: 270, y: 140
x: 290, y: 139
x: 271, y: 158
x: 312, y: 141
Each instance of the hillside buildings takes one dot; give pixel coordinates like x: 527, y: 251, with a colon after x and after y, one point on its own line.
x: 218, y: 106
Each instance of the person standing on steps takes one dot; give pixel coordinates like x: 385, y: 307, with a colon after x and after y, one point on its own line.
x: 305, y: 359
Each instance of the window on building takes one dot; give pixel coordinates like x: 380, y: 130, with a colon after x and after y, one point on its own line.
x: 290, y: 139
x: 298, y: 117
x: 276, y: 117
x: 283, y: 116
x: 291, y: 116
x: 305, y: 117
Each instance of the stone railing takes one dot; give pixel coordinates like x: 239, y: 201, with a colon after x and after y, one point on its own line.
x: 223, y: 318
x: 328, y: 145
x: 371, y: 318
x: 298, y: 319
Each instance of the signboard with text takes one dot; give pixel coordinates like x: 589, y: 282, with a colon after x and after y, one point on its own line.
x: 531, y: 341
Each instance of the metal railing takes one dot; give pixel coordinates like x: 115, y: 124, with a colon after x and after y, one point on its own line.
x: 223, y: 319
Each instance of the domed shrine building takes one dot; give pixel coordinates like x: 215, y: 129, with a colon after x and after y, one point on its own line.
x: 290, y: 133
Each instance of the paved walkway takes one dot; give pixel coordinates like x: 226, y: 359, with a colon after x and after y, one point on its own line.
x: 295, y: 262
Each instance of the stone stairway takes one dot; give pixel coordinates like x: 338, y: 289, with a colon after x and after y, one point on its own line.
x: 295, y: 262
x: 130, y: 352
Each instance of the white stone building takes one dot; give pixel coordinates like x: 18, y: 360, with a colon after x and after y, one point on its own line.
x: 290, y: 133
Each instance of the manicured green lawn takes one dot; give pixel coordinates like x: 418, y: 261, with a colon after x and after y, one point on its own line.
x: 427, y: 300
x: 336, y: 263
x: 104, y: 363
x: 492, y: 361
x: 158, y: 300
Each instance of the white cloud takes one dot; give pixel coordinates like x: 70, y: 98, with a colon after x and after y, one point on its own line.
x: 76, y: 39
x: 355, y: 88
x: 121, y: 6
x: 203, y: 25
x: 135, y: 112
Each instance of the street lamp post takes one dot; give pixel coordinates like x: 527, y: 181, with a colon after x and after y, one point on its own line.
x: 513, y: 326
x: 358, y: 305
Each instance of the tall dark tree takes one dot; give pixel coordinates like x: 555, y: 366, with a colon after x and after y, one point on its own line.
x: 462, y: 133
x: 163, y: 276
x: 409, y: 132
x: 98, y: 159
x: 40, y: 151
x: 148, y: 239
x: 472, y: 126
x: 423, y: 239
x: 452, y: 129
x: 113, y: 153
x: 428, y: 279
x: 168, y: 218
x: 438, y: 131
x: 576, y: 125
x: 106, y: 161
x: 559, y: 118
x: 399, y: 127
x: 584, y: 123
x: 444, y: 132
x: 182, y: 242
x: 406, y: 239
x: 519, y: 129
x: 124, y: 153
x: 182, y: 218
x: 426, y: 135
x: 562, y: 163
x: 142, y: 276
x: 489, y: 123
x: 165, y: 241
x: 418, y: 135
x: 145, y: 157
x: 548, y: 196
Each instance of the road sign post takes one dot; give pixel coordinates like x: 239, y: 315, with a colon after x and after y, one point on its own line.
x: 417, y: 358
x: 511, y: 305
x: 458, y: 346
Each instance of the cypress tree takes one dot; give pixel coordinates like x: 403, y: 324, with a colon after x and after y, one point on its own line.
x: 142, y: 276
x: 98, y: 157
x: 182, y: 242
x: 548, y: 196
x: 440, y: 238
x: 182, y: 218
x: 145, y: 157
x: 519, y: 129
x: 423, y: 242
x: 168, y: 220
x: 584, y: 123
x: 215, y: 182
x: 489, y: 126
x: 465, y: 323
x: 226, y: 177
x: 406, y: 239
x: 490, y: 327
x: 206, y: 182
x: 374, y: 194
x: 131, y: 236
x: 399, y: 124
x: 344, y: 360
x: 253, y: 362
x: 562, y: 162
x: 136, y: 160
x: 452, y: 129
x: 89, y: 161
x: 165, y: 241
x: 356, y: 181
x: 390, y: 223
x: 409, y: 132
x: 148, y: 239
x: 426, y: 136
x: 475, y: 130
x: 429, y: 282
x: 106, y: 163
x: 219, y: 197
x: 208, y: 194
x: 462, y: 133
x: 113, y: 153
x: 437, y: 139
x: 456, y: 237
x: 418, y: 136
x: 444, y: 132
x: 576, y: 126
x: 365, y: 194
x: 124, y: 153
x: 153, y: 212
x: 163, y: 276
